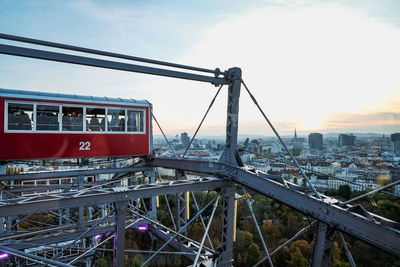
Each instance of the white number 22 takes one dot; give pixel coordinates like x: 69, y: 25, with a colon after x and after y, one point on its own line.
x: 84, y: 145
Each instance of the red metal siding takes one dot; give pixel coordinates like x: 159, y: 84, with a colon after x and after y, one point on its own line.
x: 1, y: 120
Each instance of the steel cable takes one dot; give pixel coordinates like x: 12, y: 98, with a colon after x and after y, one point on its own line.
x: 202, y: 120
x: 281, y: 141
x: 166, y: 139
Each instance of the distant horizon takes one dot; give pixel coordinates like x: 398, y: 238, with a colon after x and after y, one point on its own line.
x: 272, y: 136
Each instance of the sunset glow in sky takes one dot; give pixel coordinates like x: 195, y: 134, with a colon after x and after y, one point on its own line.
x: 326, y: 66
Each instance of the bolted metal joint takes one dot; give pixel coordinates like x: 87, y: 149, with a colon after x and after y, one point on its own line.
x: 234, y: 74
x: 218, y: 81
x: 217, y: 72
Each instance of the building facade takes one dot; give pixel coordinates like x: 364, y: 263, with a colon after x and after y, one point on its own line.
x: 315, y: 141
x: 347, y: 140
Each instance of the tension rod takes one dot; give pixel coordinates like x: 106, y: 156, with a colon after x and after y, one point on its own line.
x: 217, y: 72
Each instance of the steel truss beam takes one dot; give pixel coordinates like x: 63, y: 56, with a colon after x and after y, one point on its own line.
x: 59, y: 174
x: 119, y: 233
x: 189, y: 248
x: 189, y: 243
x: 323, y: 245
x: 181, y: 203
x: 369, y: 228
x: 33, y: 258
x: 127, y: 225
x: 59, y: 237
x: 228, y: 225
x: 172, y: 238
x: 230, y: 154
x: 22, y: 206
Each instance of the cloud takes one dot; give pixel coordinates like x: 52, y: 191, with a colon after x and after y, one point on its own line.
x: 358, y: 122
x: 307, y: 61
x: 304, y: 61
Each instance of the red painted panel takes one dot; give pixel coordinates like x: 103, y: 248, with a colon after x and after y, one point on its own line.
x: 1, y: 117
x: 43, y: 146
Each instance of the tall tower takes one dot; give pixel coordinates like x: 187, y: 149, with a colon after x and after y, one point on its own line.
x: 315, y: 140
x: 295, y: 139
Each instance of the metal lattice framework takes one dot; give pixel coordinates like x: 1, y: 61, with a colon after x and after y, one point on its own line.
x: 113, y: 208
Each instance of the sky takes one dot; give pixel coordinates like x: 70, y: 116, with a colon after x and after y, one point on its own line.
x: 314, y: 66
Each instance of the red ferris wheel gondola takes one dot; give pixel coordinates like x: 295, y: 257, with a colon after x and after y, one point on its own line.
x: 37, y: 125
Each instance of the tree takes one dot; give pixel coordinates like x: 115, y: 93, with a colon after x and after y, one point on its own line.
x: 344, y: 191
x: 296, y: 152
x: 339, y: 263
x: 102, y: 262
x: 271, y: 232
x: 243, y: 242
x: 282, y: 256
x: 253, y: 253
x: 389, y: 208
x: 262, y: 207
x: 164, y: 217
x: 135, y: 261
x: 197, y: 231
x: 303, y: 246
x: 297, y: 259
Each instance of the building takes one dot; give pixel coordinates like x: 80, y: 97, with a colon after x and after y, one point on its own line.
x: 297, y: 142
x: 315, y: 140
x: 347, y: 140
x: 326, y: 168
x: 276, y: 167
x: 185, y: 139
x: 345, y: 174
x: 320, y: 182
x: 383, y: 142
x: 395, y: 138
x: 255, y: 146
x: 362, y: 184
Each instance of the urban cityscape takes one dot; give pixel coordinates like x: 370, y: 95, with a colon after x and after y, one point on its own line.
x: 361, y: 161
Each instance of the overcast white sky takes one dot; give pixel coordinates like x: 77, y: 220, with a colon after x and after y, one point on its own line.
x: 324, y: 66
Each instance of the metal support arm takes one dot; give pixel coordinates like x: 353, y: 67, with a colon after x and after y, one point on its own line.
x: 94, y: 62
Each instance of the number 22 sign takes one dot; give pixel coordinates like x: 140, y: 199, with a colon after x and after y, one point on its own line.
x: 84, y: 145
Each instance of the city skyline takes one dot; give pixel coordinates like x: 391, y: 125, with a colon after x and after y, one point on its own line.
x: 317, y: 66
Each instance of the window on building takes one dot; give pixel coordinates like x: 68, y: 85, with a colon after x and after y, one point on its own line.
x: 20, y: 116
x: 66, y: 181
x: 135, y: 121
x: 72, y: 118
x: 47, y: 118
x: 95, y: 119
x: 116, y: 120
